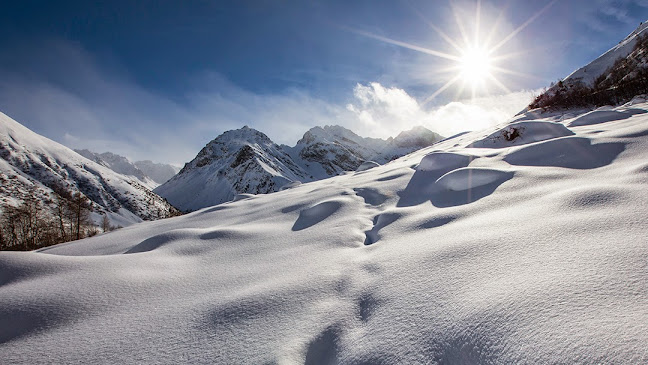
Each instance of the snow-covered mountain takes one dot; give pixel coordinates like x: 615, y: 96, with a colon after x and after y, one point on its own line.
x: 158, y: 172
x: 148, y: 173
x: 613, y: 78
x: 31, y: 164
x: 523, y: 243
x: 120, y: 165
x: 246, y: 161
x: 589, y: 73
x: 238, y: 161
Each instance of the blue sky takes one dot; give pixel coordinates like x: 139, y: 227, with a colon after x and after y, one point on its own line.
x: 159, y: 79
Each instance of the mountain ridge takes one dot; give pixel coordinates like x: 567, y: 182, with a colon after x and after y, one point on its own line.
x: 246, y: 161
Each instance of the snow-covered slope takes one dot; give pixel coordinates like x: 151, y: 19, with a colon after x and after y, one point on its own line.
x: 32, y: 164
x: 120, y: 165
x: 524, y: 243
x: 238, y: 161
x: 246, y: 161
x: 596, y: 68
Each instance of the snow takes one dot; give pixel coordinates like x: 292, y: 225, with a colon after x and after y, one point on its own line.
x: 530, y: 251
x: 367, y: 165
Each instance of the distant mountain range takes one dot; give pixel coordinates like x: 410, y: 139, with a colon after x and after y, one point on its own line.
x: 247, y: 161
x: 149, y: 173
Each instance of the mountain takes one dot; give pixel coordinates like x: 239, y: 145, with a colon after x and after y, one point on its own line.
x: 158, y: 172
x: 529, y: 247
x: 238, y: 161
x: 246, y: 161
x: 589, y: 73
x: 148, y: 173
x: 120, y: 165
x: 32, y: 165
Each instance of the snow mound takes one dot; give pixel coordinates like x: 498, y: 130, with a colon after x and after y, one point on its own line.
x: 316, y: 214
x: 291, y: 185
x: 523, y: 132
x: 469, y: 178
x: 367, y: 165
x: 238, y: 197
x: 442, y: 161
x: 570, y: 152
x: 603, y: 116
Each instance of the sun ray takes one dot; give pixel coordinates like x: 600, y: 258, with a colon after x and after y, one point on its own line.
x: 477, y: 22
x: 438, y: 30
x: 405, y: 45
x: 521, y: 27
x: 496, y: 24
x: 442, y: 89
x: 515, y: 73
x: 460, y: 25
x: 499, y: 83
x: 475, y: 64
x: 460, y: 90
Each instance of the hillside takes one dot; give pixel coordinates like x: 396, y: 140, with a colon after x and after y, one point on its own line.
x: 32, y: 166
x: 613, y: 78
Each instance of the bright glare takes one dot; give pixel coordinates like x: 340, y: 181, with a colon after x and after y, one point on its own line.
x: 475, y: 65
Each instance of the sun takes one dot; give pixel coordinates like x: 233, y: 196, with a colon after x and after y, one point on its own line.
x: 475, y: 65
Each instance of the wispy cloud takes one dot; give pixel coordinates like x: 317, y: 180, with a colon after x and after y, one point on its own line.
x: 104, y: 110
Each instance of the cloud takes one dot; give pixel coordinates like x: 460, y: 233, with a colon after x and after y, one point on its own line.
x: 82, y: 105
x: 383, y: 112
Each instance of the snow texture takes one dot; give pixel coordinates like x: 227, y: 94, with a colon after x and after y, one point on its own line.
x: 530, y: 252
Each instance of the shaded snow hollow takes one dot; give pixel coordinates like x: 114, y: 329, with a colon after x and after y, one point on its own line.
x: 531, y: 250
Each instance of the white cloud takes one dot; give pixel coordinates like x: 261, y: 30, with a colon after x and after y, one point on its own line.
x: 384, y: 112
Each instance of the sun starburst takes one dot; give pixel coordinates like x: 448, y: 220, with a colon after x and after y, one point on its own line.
x: 476, y: 63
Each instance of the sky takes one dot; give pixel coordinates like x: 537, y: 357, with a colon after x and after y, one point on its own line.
x: 159, y: 79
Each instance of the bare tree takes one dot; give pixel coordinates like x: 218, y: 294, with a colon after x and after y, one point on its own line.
x: 105, y: 224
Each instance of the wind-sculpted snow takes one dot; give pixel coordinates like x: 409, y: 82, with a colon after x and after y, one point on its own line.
x: 530, y: 252
x: 603, y: 116
x: 569, y: 152
x: 470, y: 178
x: 523, y: 132
x: 367, y: 165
